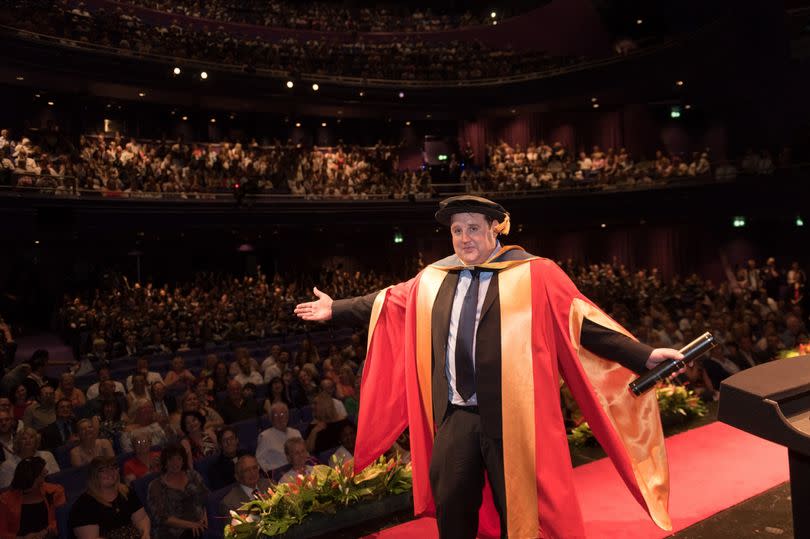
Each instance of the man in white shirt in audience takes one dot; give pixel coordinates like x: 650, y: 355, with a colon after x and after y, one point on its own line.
x: 142, y: 366
x: 297, y: 455
x: 270, y: 447
x: 103, y: 375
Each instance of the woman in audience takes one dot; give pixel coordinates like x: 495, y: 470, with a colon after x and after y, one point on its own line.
x: 139, y: 390
x: 26, y: 446
x: 324, y: 431
x: 210, y: 364
x: 28, y: 508
x: 144, y: 461
x: 345, y: 384
x: 179, y: 377
x: 221, y: 473
x: 112, y: 422
x: 67, y: 390
x: 276, y: 392
x: 203, y: 389
x: 191, y: 403
x: 307, y: 382
x: 21, y: 402
x: 307, y: 354
x: 220, y: 378
x: 144, y: 421
x: 177, y: 497
x: 198, y: 442
x: 90, y: 445
x: 108, y: 508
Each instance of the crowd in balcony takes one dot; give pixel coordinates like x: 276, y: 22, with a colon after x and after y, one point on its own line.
x: 325, y: 16
x: 119, y: 167
x: 408, y: 59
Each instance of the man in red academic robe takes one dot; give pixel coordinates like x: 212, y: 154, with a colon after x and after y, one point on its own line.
x: 469, y: 355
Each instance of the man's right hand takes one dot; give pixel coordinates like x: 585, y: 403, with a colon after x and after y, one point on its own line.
x: 315, y: 311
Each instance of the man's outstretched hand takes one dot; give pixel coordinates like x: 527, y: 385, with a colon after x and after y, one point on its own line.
x: 315, y: 311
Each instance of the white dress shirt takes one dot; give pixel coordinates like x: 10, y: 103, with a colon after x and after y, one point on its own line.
x: 270, y: 447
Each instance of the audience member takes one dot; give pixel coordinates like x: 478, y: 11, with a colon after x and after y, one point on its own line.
x: 28, y: 507
x: 249, y: 485
x: 144, y: 461
x: 198, y: 441
x: 177, y: 497
x: 42, y: 413
x: 270, y: 448
x: 221, y: 472
x: 26, y: 446
x: 90, y: 445
x: 61, y: 431
x: 324, y: 431
x: 235, y: 407
x: 298, y: 457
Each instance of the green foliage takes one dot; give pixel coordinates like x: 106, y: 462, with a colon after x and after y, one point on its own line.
x: 325, y: 490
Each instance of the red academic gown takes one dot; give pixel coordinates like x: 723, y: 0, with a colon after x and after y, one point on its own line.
x: 542, y: 313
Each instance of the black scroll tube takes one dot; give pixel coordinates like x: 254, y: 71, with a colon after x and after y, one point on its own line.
x: 690, y: 352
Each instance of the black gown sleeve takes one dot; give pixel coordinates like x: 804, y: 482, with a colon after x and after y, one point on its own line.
x: 615, y: 346
x: 353, y: 311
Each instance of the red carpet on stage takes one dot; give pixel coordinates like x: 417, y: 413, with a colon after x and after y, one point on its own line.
x: 711, y: 468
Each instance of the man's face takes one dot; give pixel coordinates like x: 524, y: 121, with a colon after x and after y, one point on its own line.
x: 46, y: 395
x: 473, y: 238
x: 280, y: 417
x: 64, y: 410
x: 298, y: 455
x: 248, y: 473
x: 328, y: 387
x: 235, y: 390
x: 6, y: 422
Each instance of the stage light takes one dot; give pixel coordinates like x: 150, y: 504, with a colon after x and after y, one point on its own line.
x: 315, y: 87
x: 494, y: 23
x: 593, y: 100
x: 738, y: 221
x: 184, y: 118
x: 678, y: 83
x: 176, y: 71
x: 596, y: 105
x: 204, y: 75
x: 687, y: 107
x: 297, y: 124
x: 290, y: 84
x: 323, y: 124
x: 428, y: 116
x: 50, y: 103
x: 401, y: 95
x: 141, y: 94
x: 799, y: 221
x: 493, y: 15
x: 20, y: 77
x: 37, y: 96
x: 362, y: 93
x: 36, y: 242
x: 513, y: 111
x: 213, y: 120
x: 398, y: 237
x: 675, y: 112
x: 603, y: 225
x: 639, y: 21
x: 408, y: 122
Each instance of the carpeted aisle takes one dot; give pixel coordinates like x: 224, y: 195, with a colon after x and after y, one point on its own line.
x: 712, y: 468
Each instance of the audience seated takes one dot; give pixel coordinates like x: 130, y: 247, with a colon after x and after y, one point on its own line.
x: 108, y: 508
x: 177, y: 497
x: 179, y: 378
x: 144, y: 421
x: 198, y: 441
x: 144, y: 461
x: 104, y: 375
x: 270, y: 448
x: 235, y: 407
x: 26, y: 446
x: 28, y: 507
x: 42, y: 413
x: 67, y: 390
x: 324, y: 431
x: 348, y: 437
x: 164, y: 405
x: 190, y: 402
x: 21, y: 402
x: 142, y: 367
x: 298, y: 458
x: 90, y: 445
x: 221, y: 472
x: 111, y: 421
x: 249, y: 485
x: 61, y: 431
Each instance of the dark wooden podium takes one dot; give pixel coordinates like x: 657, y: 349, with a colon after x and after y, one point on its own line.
x: 772, y: 401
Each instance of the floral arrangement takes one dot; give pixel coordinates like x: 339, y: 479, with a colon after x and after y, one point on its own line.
x: 675, y: 402
x: 801, y: 350
x: 325, y: 490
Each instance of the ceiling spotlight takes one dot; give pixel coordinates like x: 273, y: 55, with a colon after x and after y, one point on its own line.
x: 184, y: 118
x: 428, y: 116
x: 513, y: 111
x: 297, y: 124
x: 494, y: 23
x: 687, y: 106
x: 639, y: 21
x: 231, y: 116
x: 172, y: 112
x: 20, y: 77
x: 362, y: 93
x: 593, y: 100
x: 603, y: 225
x: 315, y: 87
x: 323, y: 124
x: 203, y: 75
x: 37, y: 96
x: 408, y: 122
x: 401, y: 95
x: 678, y: 83
x: 290, y: 84
x: 141, y: 94
x: 339, y: 120
x: 213, y: 120
x: 596, y: 105
x: 493, y: 15
x: 176, y: 71
x: 50, y: 103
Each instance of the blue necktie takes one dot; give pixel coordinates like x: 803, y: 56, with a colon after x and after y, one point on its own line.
x: 465, y: 368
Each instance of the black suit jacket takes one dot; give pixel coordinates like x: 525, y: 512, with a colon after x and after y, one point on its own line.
x: 598, y: 339
x: 52, y: 437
